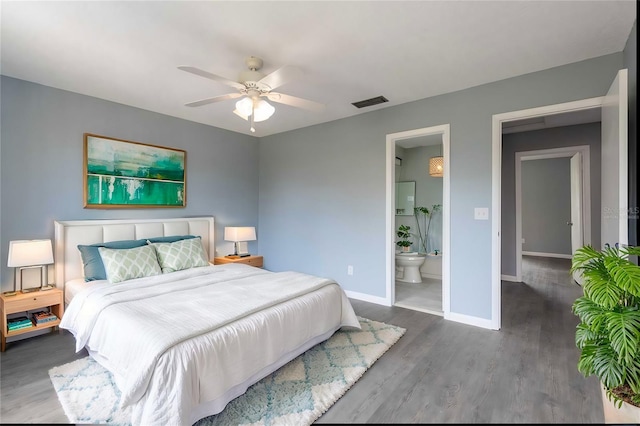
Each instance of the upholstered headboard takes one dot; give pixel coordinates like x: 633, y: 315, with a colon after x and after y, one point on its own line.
x: 68, y: 234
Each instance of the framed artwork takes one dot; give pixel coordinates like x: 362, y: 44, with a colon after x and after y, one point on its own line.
x: 126, y: 174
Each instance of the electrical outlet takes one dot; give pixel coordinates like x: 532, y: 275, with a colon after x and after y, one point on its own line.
x: 350, y: 270
x: 523, y: 241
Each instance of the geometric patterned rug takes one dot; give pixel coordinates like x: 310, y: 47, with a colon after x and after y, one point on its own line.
x: 297, y: 393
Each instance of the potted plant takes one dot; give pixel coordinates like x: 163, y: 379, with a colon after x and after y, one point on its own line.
x: 425, y: 214
x: 404, y: 235
x: 608, y: 334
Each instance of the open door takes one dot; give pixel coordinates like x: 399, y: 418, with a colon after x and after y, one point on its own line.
x: 577, y: 236
x: 614, y: 229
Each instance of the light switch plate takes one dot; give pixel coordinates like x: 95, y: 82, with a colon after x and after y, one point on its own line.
x: 481, y: 213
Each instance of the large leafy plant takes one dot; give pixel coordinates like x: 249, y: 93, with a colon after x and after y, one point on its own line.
x: 608, y: 335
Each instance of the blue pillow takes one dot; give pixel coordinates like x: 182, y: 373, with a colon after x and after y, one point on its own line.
x: 170, y: 239
x: 93, y: 266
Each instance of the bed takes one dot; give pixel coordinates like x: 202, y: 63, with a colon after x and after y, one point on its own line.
x: 183, y: 342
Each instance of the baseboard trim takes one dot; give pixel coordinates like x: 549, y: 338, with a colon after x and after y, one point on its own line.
x: 432, y: 276
x: 511, y: 278
x: 368, y: 298
x: 416, y: 308
x: 469, y: 320
x: 539, y: 254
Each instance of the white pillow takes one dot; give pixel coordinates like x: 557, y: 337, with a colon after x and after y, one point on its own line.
x: 127, y: 264
x: 179, y: 255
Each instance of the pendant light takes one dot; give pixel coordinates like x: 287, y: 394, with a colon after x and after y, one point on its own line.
x: 436, y: 166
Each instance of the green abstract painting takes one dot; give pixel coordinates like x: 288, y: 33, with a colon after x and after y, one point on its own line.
x: 125, y: 174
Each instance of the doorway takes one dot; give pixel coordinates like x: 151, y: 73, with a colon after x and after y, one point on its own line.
x: 614, y: 226
x: 579, y: 218
x: 418, y: 137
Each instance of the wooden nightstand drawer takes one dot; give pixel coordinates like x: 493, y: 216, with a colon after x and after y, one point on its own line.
x: 253, y: 261
x: 26, y: 302
x: 256, y: 261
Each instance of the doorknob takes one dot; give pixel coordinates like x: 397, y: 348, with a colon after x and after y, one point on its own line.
x: 569, y: 223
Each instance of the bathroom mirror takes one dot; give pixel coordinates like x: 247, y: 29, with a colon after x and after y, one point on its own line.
x: 405, y: 198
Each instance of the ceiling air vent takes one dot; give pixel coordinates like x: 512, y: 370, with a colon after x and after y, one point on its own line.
x: 370, y: 102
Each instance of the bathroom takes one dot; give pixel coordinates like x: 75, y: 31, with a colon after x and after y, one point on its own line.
x: 419, y: 284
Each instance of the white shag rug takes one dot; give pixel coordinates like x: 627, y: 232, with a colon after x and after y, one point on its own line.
x: 296, y: 394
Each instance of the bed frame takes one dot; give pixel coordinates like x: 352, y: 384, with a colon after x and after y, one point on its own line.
x: 68, y: 234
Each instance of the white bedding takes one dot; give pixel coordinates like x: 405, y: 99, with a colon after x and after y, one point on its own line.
x: 181, y: 345
x: 73, y: 287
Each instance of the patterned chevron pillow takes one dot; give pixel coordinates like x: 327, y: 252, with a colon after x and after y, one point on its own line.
x: 179, y: 255
x: 127, y: 264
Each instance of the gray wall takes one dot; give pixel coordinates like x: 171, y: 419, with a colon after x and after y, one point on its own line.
x: 41, y: 164
x: 582, y: 134
x: 321, y: 198
x: 630, y: 57
x: 322, y: 188
x: 415, y: 167
x: 546, y: 205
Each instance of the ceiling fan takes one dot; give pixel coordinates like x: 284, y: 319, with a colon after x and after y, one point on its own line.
x: 252, y: 87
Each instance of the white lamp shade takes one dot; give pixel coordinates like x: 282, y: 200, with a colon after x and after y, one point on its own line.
x: 239, y: 233
x: 30, y: 253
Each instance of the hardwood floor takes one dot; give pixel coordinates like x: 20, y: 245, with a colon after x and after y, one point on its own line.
x: 438, y: 372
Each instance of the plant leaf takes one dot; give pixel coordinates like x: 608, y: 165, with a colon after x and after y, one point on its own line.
x: 606, y: 366
x: 625, y: 274
x: 585, y: 336
x: 590, y: 313
x: 583, y: 257
x: 624, y: 333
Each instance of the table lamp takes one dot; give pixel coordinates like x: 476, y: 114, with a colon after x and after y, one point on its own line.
x: 238, y: 234
x: 29, y: 254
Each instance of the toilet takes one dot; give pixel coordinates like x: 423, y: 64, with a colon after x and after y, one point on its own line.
x: 410, y: 264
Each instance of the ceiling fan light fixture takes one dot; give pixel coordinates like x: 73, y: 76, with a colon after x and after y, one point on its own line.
x: 245, y: 107
x: 262, y: 110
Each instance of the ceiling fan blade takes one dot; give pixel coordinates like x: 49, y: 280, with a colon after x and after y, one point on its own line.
x: 296, y: 102
x: 214, y: 99
x: 206, y: 74
x: 281, y: 76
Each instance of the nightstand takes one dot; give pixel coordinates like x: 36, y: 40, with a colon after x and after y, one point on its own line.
x: 248, y: 260
x: 32, y: 301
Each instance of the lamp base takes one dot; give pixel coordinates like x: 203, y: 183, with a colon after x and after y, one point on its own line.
x: 244, y: 255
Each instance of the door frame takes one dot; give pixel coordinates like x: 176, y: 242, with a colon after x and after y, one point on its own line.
x: 496, y: 187
x: 541, y: 154
x: 391, y: 139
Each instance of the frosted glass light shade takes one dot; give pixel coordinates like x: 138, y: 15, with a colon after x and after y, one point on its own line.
x: 29, y: 253
x: 245, y: 107
x: 239, y: 233
x: 261, y: 109
x: 436, y: 166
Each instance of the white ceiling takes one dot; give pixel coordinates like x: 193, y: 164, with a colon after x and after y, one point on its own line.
x: 128, y: 52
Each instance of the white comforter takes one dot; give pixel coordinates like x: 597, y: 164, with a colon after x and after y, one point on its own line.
x: 181, y: 345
